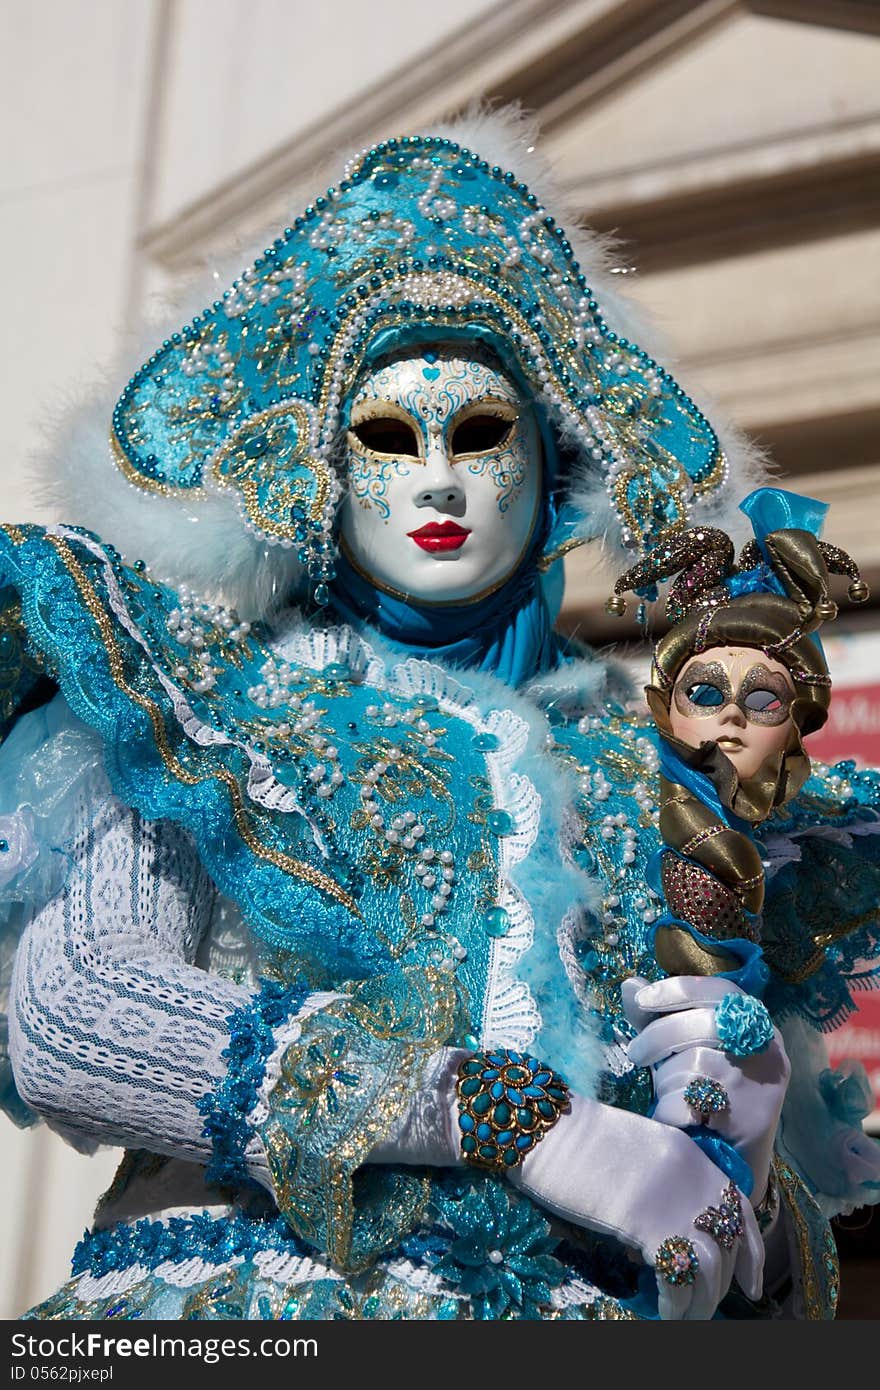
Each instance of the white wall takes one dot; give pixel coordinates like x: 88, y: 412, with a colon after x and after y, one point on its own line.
x: 74, y: 98
x: 74, y: 101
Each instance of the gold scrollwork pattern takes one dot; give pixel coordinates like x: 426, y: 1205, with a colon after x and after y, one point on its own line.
x: 343, y: 1083
x: 287, y: 863
x: 817, y: 1253
x: 270, y: 461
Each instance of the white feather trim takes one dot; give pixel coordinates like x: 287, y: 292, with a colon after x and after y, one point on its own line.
x: 202, y: 544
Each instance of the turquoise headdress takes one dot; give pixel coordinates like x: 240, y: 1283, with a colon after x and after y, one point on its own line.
x: 421, y: 238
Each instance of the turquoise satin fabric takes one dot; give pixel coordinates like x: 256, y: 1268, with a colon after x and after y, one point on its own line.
x: 509, y: 634
x: 774, y: 509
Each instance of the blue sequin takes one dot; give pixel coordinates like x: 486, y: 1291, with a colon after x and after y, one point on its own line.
x: 152, y: 1243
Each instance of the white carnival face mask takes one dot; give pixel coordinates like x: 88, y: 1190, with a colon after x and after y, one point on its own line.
x: 444, y: 472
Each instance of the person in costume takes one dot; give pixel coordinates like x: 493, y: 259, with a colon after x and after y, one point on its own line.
x: 323, y: 872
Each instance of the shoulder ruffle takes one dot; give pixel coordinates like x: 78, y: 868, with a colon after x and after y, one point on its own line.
x: 158, y: 679
x: 265, y: 746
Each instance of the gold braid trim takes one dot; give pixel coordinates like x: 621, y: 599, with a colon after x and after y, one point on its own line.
x: 747, y: 884
x: 700, y: 838
x: 795, y: 1196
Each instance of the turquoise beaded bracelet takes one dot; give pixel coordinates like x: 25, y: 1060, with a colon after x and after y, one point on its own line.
x: 506, y: 1103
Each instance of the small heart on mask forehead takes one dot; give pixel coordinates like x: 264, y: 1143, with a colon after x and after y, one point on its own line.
x: 430, y: 373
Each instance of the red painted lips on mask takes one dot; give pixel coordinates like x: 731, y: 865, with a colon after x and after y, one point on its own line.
x: 440, y: 536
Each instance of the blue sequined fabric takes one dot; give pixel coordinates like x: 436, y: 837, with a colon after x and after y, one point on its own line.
x: 227, y: 1110
x: 483, y: 1252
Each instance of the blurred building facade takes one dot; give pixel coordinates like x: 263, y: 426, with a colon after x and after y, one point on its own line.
x: 732, y: 145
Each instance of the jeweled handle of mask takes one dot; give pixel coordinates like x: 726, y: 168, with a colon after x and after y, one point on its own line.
x: 713, y: 883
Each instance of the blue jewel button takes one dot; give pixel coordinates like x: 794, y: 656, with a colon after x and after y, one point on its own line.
x: 496, y: 921
x: 256, y: 445
x: 499, y: 822
x: 485, y: 743
x: 585, y: 859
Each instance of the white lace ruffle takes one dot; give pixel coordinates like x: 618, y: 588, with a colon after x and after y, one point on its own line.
x: 293, y: 1269
x: 262, y: 785
x: 574, y: 1293
x: 114, y: 1285
x: 420, y: 1278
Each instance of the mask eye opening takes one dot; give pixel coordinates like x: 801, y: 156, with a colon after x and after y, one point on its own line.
x: 481, y: 434
x: 764, y: 701
x: 705, y: 695
x: 387, y: 435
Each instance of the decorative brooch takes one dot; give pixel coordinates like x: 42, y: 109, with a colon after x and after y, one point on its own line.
x: 506, y: 1103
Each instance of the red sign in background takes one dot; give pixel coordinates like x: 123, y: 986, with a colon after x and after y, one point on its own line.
x: 858, y: 1039
x: 853, y: 731
x: 853, y: 727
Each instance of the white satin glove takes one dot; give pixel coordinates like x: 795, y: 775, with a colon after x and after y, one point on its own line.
x: 601, y: 1168
x: 678, y: 1039
x: 642, y: 1182
x: 427, y: 1133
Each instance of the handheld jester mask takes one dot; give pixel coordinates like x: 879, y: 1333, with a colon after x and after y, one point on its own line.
x: 444, y: 476
x: 736, y: 683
